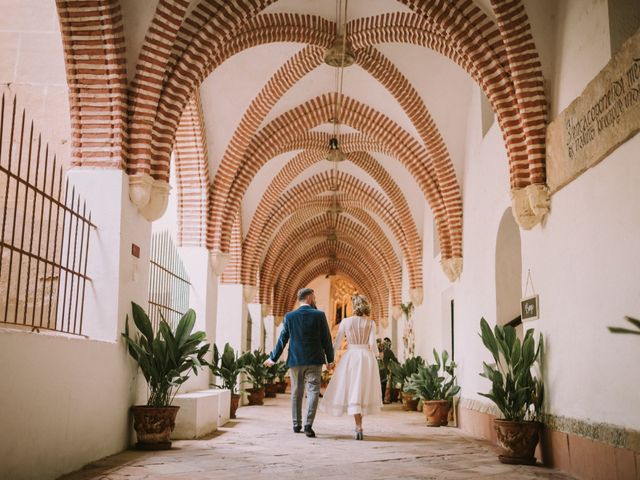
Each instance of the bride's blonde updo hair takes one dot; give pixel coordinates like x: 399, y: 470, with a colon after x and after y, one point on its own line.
x: 361, y: 306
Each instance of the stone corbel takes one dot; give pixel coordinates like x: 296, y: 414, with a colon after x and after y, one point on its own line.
x: 530, y: 204
x: 140, y: 189
x: 249, y: 293
x: 158, y: 202
x: 278, y: 319
x: 218, y: 261
x: 416, y: 295
x: 265, y: 309
x: 452, y: 267
x: 396, y: 312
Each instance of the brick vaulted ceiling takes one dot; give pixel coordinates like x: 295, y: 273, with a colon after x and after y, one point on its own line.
x: 237, y: 93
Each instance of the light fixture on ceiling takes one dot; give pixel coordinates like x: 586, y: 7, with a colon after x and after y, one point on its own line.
x: 335, y: 153
x: 340, y: 53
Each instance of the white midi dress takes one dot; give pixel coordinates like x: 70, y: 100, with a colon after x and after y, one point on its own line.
x: 355, y: 384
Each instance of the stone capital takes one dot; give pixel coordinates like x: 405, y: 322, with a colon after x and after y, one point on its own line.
x: 158, y: 202
x: 452, y: 268
x: 396, y: 312
x: 265, y: 309
x: 416, y: 295
x: 249, y: 293
x: 140, y: 189
x: 218, y: 260
x: 530, y: 204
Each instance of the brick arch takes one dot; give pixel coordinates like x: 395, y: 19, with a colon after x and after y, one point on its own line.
x: 293, y: 232
x: 337, y: 267
x: 298, y: 164
x: 351, y: 206
x: 342, y: 249
x: 146, y: 87
x: 94, y: 48
x: 287, y: 75
x: 390, y: 77
x: 315, y: 267
x: 355, y: 194
x: 314, y: 112
x: 192, y: 176
x: 210, y: 50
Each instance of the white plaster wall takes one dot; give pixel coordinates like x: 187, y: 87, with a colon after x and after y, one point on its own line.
x: 583, y: 260
x: 232, y: 314
x: 68, y: 399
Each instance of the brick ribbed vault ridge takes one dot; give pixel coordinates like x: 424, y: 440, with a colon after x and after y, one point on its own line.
x: 231, y: 272
x: 288, y: 126
x: 94, y: 52
x: 151, y: 71
x: 410, y: 241
x: 378, y: 295
x: 320, y: 224
x: 325, y: 250
x: 464, y: 28
x: 383, y: 70
x: 353, y: 194
x: 192, y: 176
x: 351, y: 206
x: 369, y: 238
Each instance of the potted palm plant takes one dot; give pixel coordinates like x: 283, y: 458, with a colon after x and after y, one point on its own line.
x: 517, y: 393
x: 401, y: 373
x: 228, y: 368
x: 166, y: 359
x: 256, y: 372
x: 282, y: 376
x: 435, y: 384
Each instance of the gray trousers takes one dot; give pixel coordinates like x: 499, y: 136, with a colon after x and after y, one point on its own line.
x: 309, y: 375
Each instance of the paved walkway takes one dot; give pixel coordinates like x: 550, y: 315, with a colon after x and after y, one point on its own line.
x: 261, y: 445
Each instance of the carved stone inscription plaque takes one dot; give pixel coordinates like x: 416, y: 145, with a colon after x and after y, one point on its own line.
x: 603, y: 117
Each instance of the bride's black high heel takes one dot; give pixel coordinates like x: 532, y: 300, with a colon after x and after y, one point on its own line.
x: 359, y: 435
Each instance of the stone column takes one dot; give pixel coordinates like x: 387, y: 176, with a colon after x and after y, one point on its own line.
x: 203, y: 296
x: 118, y: 277
x: 232, y: 312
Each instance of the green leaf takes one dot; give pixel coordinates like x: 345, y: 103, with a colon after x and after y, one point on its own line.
x: 185, y: 326
x: 488, y: 339
x: 142, y: 321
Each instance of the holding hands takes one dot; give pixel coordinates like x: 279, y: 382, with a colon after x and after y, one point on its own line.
x: 269, y: 363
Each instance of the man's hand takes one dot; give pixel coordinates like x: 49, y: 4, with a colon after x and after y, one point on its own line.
x: 269, y: 363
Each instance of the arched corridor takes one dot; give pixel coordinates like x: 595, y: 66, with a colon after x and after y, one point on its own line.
x: 173, y: 172
x: 259, y: 445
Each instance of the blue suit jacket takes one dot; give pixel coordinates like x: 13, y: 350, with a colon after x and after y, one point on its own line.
x: 307, y: 332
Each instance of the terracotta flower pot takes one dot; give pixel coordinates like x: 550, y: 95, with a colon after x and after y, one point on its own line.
x: 153, y: 426
x: 409, y: 404
x: 270, y: 390
x: 518, y: 441
x: 436, y: 412
x: 282, y: 387
x: 233, y: 406
x: 256, y: 396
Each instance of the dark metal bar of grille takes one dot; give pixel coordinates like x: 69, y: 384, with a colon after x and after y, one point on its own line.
x: 37, y: 252
x: 168, y: 281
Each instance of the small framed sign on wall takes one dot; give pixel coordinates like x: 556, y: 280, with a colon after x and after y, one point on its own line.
x: 530, y: 308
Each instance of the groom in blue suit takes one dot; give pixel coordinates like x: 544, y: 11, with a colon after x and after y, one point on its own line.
x: 310, y: 347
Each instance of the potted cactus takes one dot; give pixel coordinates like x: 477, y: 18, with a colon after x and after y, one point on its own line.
x: 166, y: 359
x: 517, y: 393
x: 435, y: 384
x: 228, y: 368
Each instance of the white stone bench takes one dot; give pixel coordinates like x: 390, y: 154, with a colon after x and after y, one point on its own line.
x: 201, y: 413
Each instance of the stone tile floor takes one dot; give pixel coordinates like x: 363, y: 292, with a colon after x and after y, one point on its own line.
x: 260, y: 444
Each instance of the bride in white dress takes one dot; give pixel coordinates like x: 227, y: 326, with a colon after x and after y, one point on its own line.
x: 354, y: 388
